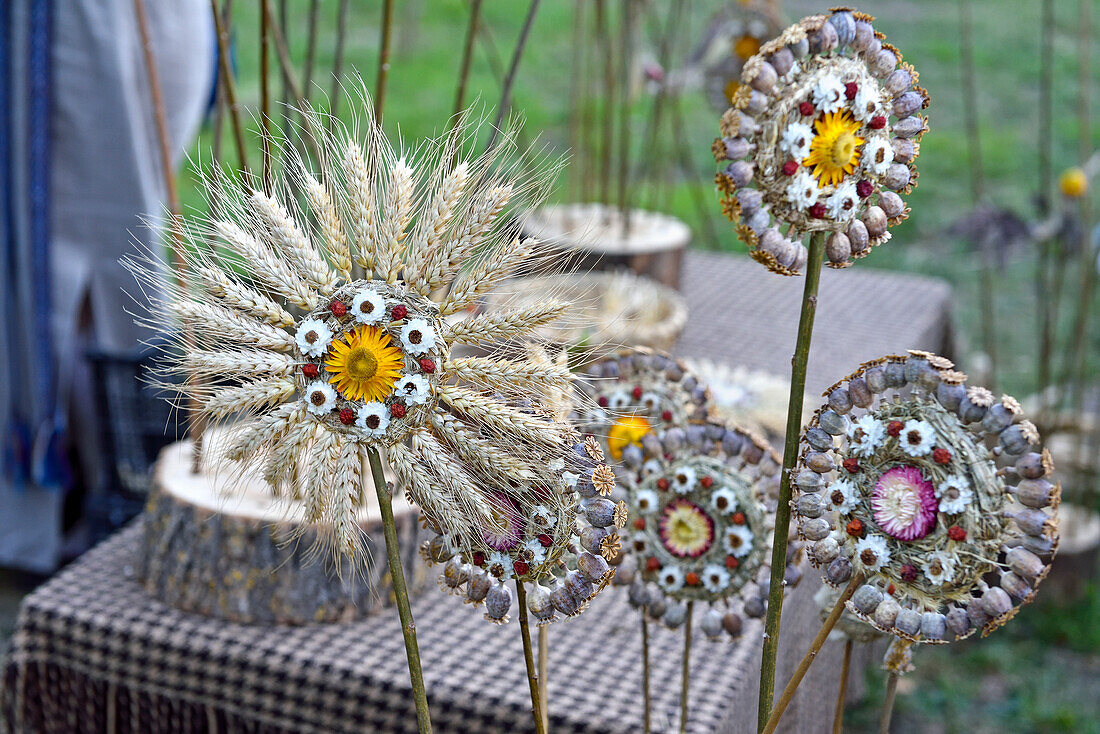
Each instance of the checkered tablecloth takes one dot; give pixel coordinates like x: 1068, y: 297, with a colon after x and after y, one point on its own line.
x: 92, y: 652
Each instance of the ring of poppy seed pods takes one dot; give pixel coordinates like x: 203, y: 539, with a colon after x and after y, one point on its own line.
x: 403, y: 323
x: 926, y: 487
x: 821, y: 137
x: 558, y: 547
x: 700, y: 529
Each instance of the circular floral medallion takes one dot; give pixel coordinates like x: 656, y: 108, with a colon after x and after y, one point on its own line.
x: 732, y: 36
x: 898, y: 484
x: 821, y: 137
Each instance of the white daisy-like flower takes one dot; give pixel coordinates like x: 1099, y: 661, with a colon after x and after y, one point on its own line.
x: 536, y: 550
x: 542, y: 518
x: 872, y: 552
x: 844, y: 495
x: 671, y: 578
x: 414, y: 389
x: 313, y: 337
x: 939, y: 568
x: 802, y: 190
x: 796, y: 140
x: 865, y: 435
x: 498, y: 564
x: 618, y: 400
x: 418, y: 336
x: 368, y: 307
x: 646, y: 501
x: 844, y: 202
x: 739, y: 540
x: 320, y: 397
x: 828, y: 94
x: 877, y: 155
x: 570, y: 479
x: 639, y: 542
x: 723, y: 500
x: 917, y: 437
x: 866, y: 103
x: 650, y: 401
x: 374, y: 418
x: 954, y: 494
x: 683, y: 481
x: 651, y: 466
x: 715, y: 578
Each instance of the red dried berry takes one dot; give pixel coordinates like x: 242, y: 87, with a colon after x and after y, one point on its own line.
x: 909, y: 573
x: 806, y: 108
x: 602, y: 401
x: 399, y: 312
x: 707, y: 482
x: 662, y: 484
x: 817, y: 211
x: 890, y: 590
x: 398, y: 410
x: 338, y: 308
x: 941, y: 456
x: 852, y: 465
x: 739, y: 518
x: 864, y: 188
x: 479, y: 558
x: 521, y: 568
x: 637, y: 392
x: 427, y: 365
x: 652, y: 564
x: 894, y: 428
x: 666, y: 416
x: 692, y: 578
x: 732, y: 562
x: 878, y: 122
x: 347, y: 416
x: 956, y: 533
x: 639, y: 523
x: 545, y: 540
x: 850, y: 90
x: 789, y: 168
x: 854, y: 528
x: 310, y: 370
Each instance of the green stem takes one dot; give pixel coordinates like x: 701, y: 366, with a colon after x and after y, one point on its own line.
x: 467, y: 60
x: 888, y: 704
x: 685, y: 671
x: 811, y: 654
x: 790, y: 455
x: 645, y: 671
x: 842, y: 691
x: 529, y: 658
x: 383, y: 60
x: 397, y: 576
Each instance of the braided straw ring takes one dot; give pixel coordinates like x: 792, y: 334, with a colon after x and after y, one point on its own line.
x: 821, y: 137
x: 927, y: 488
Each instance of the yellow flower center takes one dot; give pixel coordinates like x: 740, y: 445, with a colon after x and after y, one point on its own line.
x: 746, y: 46
x: 364, y: 364
x: 834, y: 151
x: 626, y: 431
x: 731, y: 88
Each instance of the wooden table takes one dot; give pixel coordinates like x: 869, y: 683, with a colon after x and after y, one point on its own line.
x: 92, y: 652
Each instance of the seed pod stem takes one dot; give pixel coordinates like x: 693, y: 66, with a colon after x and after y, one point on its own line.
x: 529, y: 658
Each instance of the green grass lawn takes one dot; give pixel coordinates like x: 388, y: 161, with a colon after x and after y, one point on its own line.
x: 1041, y: 672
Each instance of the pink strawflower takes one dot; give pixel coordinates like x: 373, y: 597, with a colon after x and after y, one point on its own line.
x: 904, y: 503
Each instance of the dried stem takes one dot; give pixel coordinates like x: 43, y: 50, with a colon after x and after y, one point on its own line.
x: 790, y: 455
x: 383, y: 60
x: 603, y: 44
x: 311, y: 48
x: 400, y: 592
x: 265, y: 94
x: 544, y: 674
x: 221, y: 29
x: 509, y: 81
x: 645, y: 672
x: 338, y: 60
x: 576, y: 102
x: 685, y: 670
x: 529, y: 658
x: 467, y: 59
x: 1043, y: 312
x: 842, y: 689
x: 815, y: 647
x: 888, y: 704
x: 626, y: 44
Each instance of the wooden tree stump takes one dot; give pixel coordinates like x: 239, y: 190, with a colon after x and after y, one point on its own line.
x: 652, y: 244
x: 247, y: 558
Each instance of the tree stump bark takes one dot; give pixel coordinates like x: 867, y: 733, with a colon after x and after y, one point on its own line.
x: 247, y: 557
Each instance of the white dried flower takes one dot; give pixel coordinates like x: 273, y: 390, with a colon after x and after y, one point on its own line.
x: 828, y: 94
x: 796, y: 140
x: 802, y: 191
x: 320, y: 398
x: 844, y: 202
x: 414, y: 389
x: 368, y: 307
x: 739, y: 540
x: 671, y: 578
x: 939, y: 568
x: 418, y: 336
x: 917, y: 437
x: 683, y: 481
x: 646, y: 501
x: 954, y: 494
x: 715, y: 578
x: 373, y: 419
x: 872, y: 552
x: 877, y: 155
x: 843, y: 495
x: 313, y: 337
x: 865, y: 435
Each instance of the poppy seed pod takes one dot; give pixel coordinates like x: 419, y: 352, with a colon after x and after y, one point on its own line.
x: 498, y: 602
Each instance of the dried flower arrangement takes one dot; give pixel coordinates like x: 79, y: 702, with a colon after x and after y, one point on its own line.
x: 732, y: 36
x: 811, y: 145
x: 913, y: 500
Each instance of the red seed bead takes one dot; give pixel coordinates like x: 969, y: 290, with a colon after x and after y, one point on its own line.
x: 890, y: 590
x: 909, y: 573
x: 878, y: 122
x: 850, y: 90
x: 817, y: 211
x: 852, y: 465
x: 662, y: 484
x: 637, y: 392
x: 956, y: 533
x: 310, y: 370
x: 864, y: 188
x: 399, y: 312
x: 602, y: 401
x: 546, y: 540
x: 397, y: 410
x: 521, y: 568
x: 692, y: 578
x: 347, y: 416
x: 894, y: 428
x: 427, y: 365
x: 941, y: 456
x: 739, y: 518
x: 806, y: 108
x: 479, y: 558
x: 338, y: 308
x: 666, y: 416
x: 652, y: 564
x: 854, y: 528
x: 707, y: 482
x: 789, y: 168
x: 732, y: 562
x: 639, y: 523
